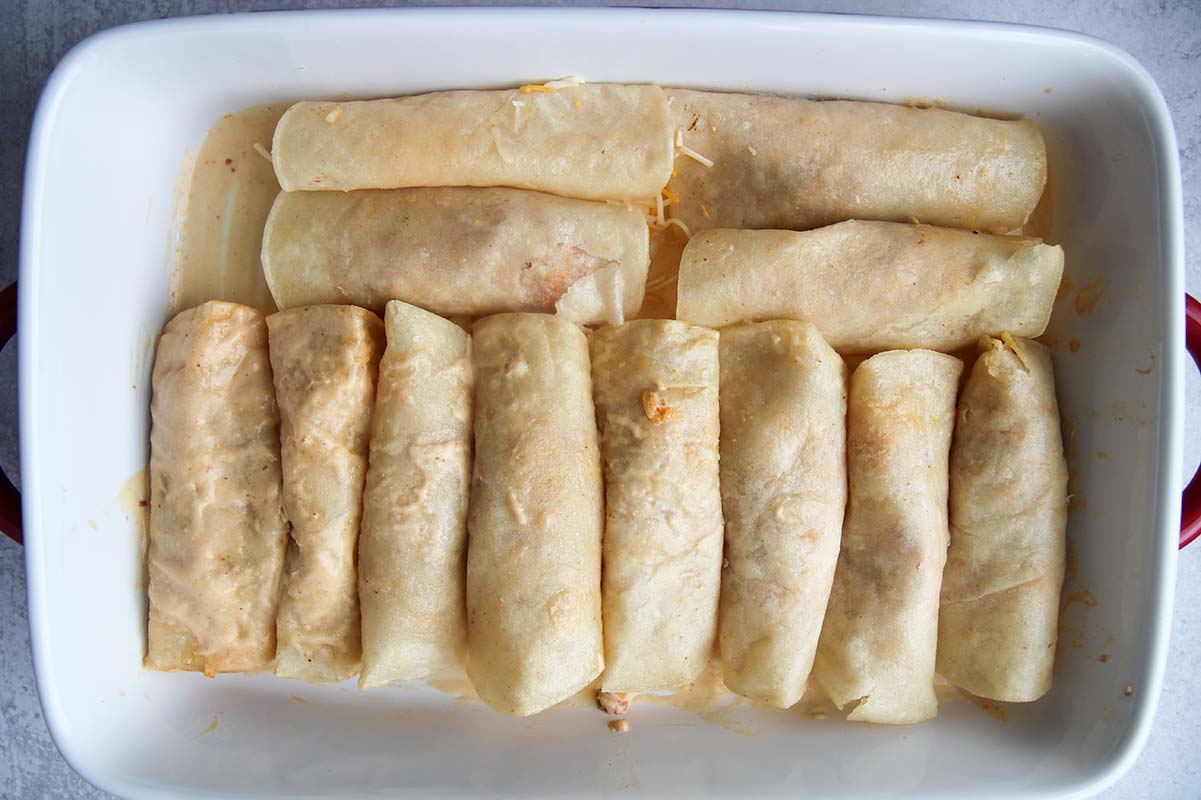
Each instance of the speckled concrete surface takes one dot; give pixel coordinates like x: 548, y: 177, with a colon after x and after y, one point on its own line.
x: 1164, y: 36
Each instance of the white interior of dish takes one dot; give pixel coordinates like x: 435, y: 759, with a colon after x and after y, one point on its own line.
x: 115, y: 124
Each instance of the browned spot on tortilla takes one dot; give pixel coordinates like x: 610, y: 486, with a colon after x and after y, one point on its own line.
x: 1074, y: 345
x: 1103, y: 658
x: 548, y: 278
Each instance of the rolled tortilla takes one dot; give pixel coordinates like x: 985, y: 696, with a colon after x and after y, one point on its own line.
x: 1000, y: 590
x: 782, y: 162
x: 217, y: 526
x: 594, y: 141
x: 870, y: 286
x: 325, y: 361
x: 656, y: 388
x: 413, y: 547
x: 784, y: 487
x: 469, y: 252
x: 535, y: 518
x: 878, y: 642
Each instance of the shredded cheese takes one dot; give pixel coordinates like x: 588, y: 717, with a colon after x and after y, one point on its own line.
x: 682, y: 150
x: 659, y: 210
x: 630, y: 205
x: 679, y: 224
x: 499, y: 143
x: 262, y: 151
x: 670, y: 195
x: 1008, y: 342
x: 695, y: 156
x: 704, y: 211
x: 565, y: 83
x: 332, y: 116
x: 569, y: 82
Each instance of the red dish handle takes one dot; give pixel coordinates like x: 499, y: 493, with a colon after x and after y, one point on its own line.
x: 1190, y: 507
x: 10, y: 498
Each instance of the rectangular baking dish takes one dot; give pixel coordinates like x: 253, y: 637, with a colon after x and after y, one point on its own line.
x: 112, y: 128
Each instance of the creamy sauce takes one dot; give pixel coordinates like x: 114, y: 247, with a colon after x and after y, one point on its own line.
x: 659, y: 302
x: 705, y: 694
x: 225, y: 191
x: 708, y: 698
x: 1043, y: 215
x: 454, y: 681
x: 134, y: 501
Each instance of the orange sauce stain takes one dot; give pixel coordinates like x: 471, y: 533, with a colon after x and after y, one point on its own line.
x: 1089, y: 296
x: 212, y: 725
x: 1084, y: 597
x: 1065, y: 287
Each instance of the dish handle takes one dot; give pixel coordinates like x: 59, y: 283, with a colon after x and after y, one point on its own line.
x: 10, y: 497
x: 1190, y: 507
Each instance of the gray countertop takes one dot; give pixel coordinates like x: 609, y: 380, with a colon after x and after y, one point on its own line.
x: 1165, y: 36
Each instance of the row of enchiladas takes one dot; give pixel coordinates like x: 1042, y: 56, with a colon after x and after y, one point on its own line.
x: 657, y: 443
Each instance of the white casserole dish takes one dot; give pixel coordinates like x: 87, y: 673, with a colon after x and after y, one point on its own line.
x: 112, y: 128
